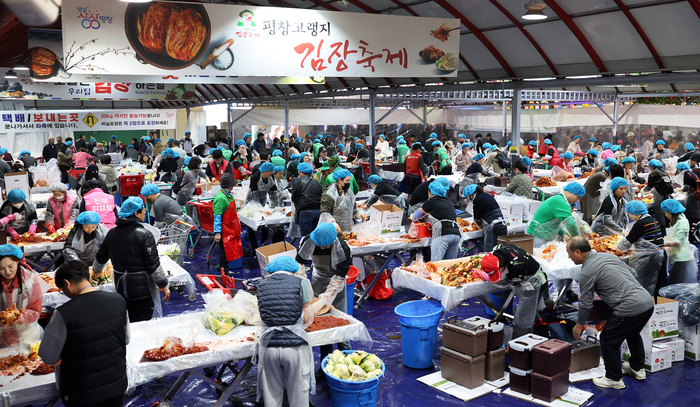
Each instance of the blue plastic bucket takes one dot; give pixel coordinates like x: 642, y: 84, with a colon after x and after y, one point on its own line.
x: 236, y: 263
x: 498, y: 302
x: 345, y: 393
x: 350, y: 295
x: 419, y: 320
x: 347, y: 384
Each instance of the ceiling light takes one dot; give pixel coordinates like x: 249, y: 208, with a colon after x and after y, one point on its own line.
x: 10, y: 74
x: 534, y: 11
x: 136, y: 1
x: 21, y: 67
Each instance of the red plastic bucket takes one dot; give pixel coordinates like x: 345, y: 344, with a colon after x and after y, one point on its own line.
x: 352, y: 275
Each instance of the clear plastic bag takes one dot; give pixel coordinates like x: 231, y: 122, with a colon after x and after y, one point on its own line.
x: 688, y: 297
x: 220, y: 316
x: 48, y: 173
x: 247, y: 304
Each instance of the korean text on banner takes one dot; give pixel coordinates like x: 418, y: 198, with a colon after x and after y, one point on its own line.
x: 88, y: 120
x: 186, y: 38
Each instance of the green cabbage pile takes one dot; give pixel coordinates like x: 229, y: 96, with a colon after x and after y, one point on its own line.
x: 357, y: 366
x: 221, y: 321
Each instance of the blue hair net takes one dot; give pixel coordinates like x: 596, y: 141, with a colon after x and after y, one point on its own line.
x: 400, y: 138
x: 294, y: 157
x: 492, y: 148
x: 305, y: 168
x: 436, y: 143
x: 359, y: 146
x: 575, y: 188
x: 282, y: 263
x: 419, y: 143
x: 461, y: 136
x: 568, y: 155
x: 636, y: 208
x: 436, y: 188
x: 163, y: 154
x: 682, y: 166
x: 16, y: 196
x: 247, y: 135
x: 342, y: 147
x: 444, y: 182
x: 402, y: 141
x: 130, y: 206
x: 655, y: 164
x: 342, y: 173
x: 113, y: 137
x: 356, y: 138
x: 672, y: 206
x: 319, y: 136
x: 660, y: 142
x: 616, y: 148
x: 11, y: 250
x: 267, y: 166
x: 301, y: 156
x: 593, y: 152
x: 433, y: 135
x: 527, y: 161
x: 277, y: 153
x: 382, y: 136
x: 324, y: 234
x: 478, y: 157
x: 609, y: 161
x: 149, y: 189
x: 68, y: 143
x: 469, y: 190
x: 547, y: 141
x: 298, y: 139
x: 129, y: 146
x: 157, y: 140
x: 23, y: 152
x: 532, y: 143
x: 607, y: 146
x: 171, y: 139
x: 187, y: 160
x: 374, y: 179
x: 688, y: 146
x: 318, y: 141
x: 592, y: 139
x: 576, y: 137
x: 629, y: 160
x: 170, y: 152
x: 277, y: 169
x: 486, y: 146
x: 145, y: 138
x: 89, y: 218
x: 240, y: 143
x: 618, y: 182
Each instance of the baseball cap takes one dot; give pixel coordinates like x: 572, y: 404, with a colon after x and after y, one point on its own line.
x: 490, y: 265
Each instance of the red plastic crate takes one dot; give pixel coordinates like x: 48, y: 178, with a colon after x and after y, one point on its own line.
x: 131, y: 184
x: 205, y: 211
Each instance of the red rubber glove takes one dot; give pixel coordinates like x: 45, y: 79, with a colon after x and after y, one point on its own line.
x: 51, y: 229
x: 32, y: 229
x: 12, y: 233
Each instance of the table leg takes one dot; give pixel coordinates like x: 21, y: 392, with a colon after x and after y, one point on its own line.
x: 561, y: 295
x: 235, y: 383
x: 53, y: 261
x: 374, y: 280
x: 176, y: 386
x: 498, y: 312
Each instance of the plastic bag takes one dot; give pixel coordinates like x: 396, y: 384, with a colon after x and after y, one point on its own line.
x: 220, y: 316
x: 250, y: 209
x: 46, y: 174
x: 336, y: 285
x: 247, y: 305
x: 688, y: 297
x: 584, y: 229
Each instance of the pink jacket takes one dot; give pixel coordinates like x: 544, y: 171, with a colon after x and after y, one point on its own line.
x: 81, y: 159
x: 61, y: 213
x: 607, y: 154
x: 96, y: 200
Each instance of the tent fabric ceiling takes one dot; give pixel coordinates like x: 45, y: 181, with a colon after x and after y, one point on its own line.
x: 578, y: 38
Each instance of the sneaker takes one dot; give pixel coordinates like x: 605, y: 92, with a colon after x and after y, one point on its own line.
x: 640, y: 374
x: 611, y: 384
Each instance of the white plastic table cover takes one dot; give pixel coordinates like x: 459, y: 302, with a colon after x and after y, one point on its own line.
x: 28, y: 389
x: 40, y: 199
x: 541, y: 173
x: 390, y: 175
x: 40, y: 248
x: 188, y: 327
x: 255, y: 224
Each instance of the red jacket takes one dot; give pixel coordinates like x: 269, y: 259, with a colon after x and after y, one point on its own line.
x: 413, y: 163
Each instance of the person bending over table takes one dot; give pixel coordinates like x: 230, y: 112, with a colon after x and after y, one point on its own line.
x: 659, y: 183
x: 521, y: 183
x: 227, y: 226
x: 488, y: 214
x: 329, y: 257
x: 18, y: 214
x: 263, y: 190
x: 446, y: 236
x: 611, y: 218
x: 20, y: 289
x: 165, y: 209
x: 62, y: 209
x: 85, y: 238
x: 86, y: 340
x: 138, y: 275
x: 512, y: 265
x: 379, y: 187
x: 632, y: 306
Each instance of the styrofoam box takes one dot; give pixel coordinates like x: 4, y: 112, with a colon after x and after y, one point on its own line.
x: 660, y: 357
x: 664, y: 321
x: 691, y: 335
x: 677, y: 346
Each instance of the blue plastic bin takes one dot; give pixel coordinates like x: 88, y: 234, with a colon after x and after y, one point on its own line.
x: 498, y: 302
x: 345, y: 393
x: 419, y: 320
x: 350, y: 295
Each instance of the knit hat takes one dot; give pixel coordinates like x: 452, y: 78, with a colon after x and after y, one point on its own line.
x: 227, y: 181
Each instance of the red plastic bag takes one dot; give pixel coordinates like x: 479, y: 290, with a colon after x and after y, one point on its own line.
x: 382, y: 289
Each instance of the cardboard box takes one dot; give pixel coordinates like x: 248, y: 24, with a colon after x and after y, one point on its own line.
x: 267, y: 253
x: 512, y: 211
x: 659, y: 358
x: 664, y: 321
x: 530, y: 209
x: 389, y: 217
x: 691, y: 335
x: 17, y: 180
x: 677, y: 346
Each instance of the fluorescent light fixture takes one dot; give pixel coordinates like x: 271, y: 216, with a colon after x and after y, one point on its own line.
x: 534, y: 11
x: 10, y: 74
x: 136, y: 1
x: 21, y: 67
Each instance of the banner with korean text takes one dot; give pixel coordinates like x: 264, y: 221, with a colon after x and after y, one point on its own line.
x: 87, y: 120
x: 106, y: 36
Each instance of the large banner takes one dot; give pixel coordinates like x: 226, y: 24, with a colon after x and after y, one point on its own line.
x: 88, y: 120
x: 152, y: 38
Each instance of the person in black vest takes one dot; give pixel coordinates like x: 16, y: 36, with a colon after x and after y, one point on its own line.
x: 88, y: 337
x: 306, y: 196
x: 284, y: 359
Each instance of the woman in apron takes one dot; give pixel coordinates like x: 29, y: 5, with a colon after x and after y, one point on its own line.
x: 611, y: 218
x: 645, y: 241
x: 85, y: 238
x: 690, y: 188
x: 684, y: 269
x: 488, y: 214
x: 446, y: 235
x: 659, y: 183
x: 329, y: 257
x: 227, y: 226
x: 338, y: 202
x: 18, y: 214
x: 263, y: 190
x: 471, y: 176
x: 20, y: 288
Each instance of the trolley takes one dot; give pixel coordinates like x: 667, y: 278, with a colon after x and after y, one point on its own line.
x: 129, y: 185
x: 173, y: 240
x: 204, y: 219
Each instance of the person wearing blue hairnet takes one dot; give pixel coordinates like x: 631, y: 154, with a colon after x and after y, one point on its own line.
x: 575, y: 145
x: 187, y: 143
x: 167, y: 168
x: 265, y: 191
x: 165, y: 209
x: 306, y: 198
x: 85, y: 238
x: 611, y: 218
x: 681, y: 252
x: 380, y: 189
x: 401, y: 151
x: 18, y: 214
x: 131, y: 153
x: 285, y: 359
x: 26, y: 157
x: 590, y: 161
x: 607, y: 151
x: 690, y: 183
x: 446, y: 235
x: 487, y: 214
x: 497, y: 160
x: 62, y: 209
x: 138, y: 275
x: 361, y: 153
x: 382, y: 146
x: 338, y: 202
x: 113, y: 145
x: 521, y: 183
x: 334, y: 165
x: 660, y: 152
x: 240, y: 164
x: 476, y: 169
x: 661, y: 185
x: 20, y: 287
x: 277, y: 158
x: 443, y: 160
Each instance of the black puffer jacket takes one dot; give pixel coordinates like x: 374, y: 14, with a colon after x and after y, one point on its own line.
x: 134, y: 255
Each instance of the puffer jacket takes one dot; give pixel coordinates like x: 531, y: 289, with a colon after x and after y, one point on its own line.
x: 64, y: 160
x: 520, y: 185
x: 133, y: 252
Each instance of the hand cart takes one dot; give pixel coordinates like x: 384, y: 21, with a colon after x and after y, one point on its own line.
x: 129, y: 185
x: 173, y: 240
